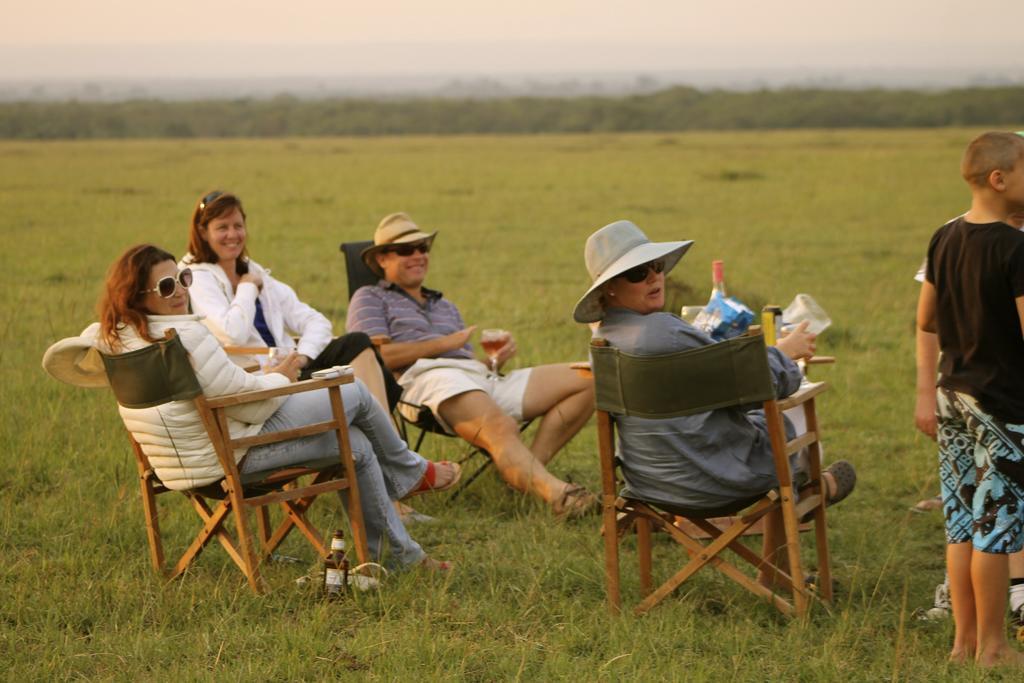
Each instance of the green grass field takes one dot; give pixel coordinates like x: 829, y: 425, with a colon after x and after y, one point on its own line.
x: 844, y: 216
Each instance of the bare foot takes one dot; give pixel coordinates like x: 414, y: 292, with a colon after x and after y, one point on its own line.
x: 961, y: 656
x: 1005, y: 655
x: 438, y: 566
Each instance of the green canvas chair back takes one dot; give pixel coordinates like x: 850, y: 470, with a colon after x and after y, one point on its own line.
x: 152, y: 376
x: 730, y: 373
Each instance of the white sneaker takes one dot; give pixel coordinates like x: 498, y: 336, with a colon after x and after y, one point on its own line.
x: 942, y: 609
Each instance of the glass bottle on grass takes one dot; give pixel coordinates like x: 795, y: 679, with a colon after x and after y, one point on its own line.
x: 336, y: 567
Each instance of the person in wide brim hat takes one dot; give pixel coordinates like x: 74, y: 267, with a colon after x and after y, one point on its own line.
x: 394, y: 229
x: 613, y: 250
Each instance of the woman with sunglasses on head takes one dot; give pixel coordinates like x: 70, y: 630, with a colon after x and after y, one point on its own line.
x: 245, y: 306
x: 146, y: 295
x: 710, y: 461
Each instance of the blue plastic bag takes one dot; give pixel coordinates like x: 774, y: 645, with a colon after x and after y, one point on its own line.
x: 724, y: 317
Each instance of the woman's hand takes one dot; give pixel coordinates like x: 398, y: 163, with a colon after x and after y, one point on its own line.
x: 253, y: 278
x: 289, y: 367
x: 799, y: 343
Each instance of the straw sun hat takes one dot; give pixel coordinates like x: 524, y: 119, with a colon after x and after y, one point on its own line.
x: 613, y: 250
x: 396, y: 228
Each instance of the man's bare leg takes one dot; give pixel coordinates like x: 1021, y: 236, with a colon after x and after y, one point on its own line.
x: 566, y: 401
x: 477, y: 418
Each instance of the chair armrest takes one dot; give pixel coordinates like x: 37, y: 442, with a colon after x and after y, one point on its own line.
x: 263, y: 394
x: 582, y: 368
x: 246, y: 350
x: 803, y: 394
x: 821, y: 360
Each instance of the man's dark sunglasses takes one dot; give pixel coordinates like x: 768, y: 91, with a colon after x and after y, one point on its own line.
x: 409, y: 249
x: 638, y: 274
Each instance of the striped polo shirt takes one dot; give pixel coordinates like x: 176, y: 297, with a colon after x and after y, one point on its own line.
x: 385, y: 308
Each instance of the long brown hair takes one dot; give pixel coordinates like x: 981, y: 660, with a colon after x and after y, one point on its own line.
x: 120, y: 305
x: 212, y: 205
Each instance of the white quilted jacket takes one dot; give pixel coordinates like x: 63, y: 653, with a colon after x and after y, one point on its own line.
x: 172, y: 435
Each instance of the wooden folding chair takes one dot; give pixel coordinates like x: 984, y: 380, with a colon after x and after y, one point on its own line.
x: 161, y: 373
x: 410, y: 414
x: 728, y: 374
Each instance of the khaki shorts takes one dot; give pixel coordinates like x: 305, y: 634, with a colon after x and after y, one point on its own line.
x: 432, y: 381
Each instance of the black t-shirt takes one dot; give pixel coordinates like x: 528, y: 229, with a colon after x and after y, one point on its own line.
x: 978, y: 272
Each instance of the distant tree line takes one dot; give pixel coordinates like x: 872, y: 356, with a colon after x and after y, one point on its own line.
x: 674, y: 109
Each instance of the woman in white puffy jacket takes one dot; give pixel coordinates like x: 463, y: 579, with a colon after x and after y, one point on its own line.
x: 145, y: 295
x: 245, y: 306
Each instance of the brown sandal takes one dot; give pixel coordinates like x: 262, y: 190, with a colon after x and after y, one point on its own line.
x: 576, y: 502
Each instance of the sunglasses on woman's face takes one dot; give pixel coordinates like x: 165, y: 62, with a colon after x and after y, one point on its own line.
x: 409, y: 249
x: 166, y: 286
x: 638, y: 274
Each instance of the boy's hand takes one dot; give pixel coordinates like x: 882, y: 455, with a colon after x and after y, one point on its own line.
x: 924, y: 414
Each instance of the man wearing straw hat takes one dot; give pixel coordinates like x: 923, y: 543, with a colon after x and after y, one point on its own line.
x: 431, y: 353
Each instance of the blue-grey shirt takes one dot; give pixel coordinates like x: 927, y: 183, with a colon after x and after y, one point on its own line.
x: 702, y: 461
x: 385, y: 308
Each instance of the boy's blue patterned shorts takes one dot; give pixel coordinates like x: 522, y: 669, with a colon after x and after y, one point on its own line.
x: 981, y: 468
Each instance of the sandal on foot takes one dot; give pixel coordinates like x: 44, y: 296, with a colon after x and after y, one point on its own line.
x: 429, y: 483
x: 845, y: 478
x: 575, y: 502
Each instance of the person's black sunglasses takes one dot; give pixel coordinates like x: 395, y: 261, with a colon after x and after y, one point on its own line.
x: 409, y: 249
x: 638, y: 274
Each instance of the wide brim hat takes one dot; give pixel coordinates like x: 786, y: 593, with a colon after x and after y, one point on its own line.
x: 396, y: 228
x: 613, y: 250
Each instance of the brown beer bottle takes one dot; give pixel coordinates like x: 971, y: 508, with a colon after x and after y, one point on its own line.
x: 336, y: 567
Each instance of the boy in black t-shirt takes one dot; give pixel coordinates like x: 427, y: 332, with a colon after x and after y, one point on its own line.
x: 973, y: 298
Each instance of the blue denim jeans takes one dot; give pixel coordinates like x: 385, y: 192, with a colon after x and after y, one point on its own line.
x: 386, y: 469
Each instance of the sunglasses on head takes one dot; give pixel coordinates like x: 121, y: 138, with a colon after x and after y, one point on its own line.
x: 209, y: 198
x: 409, y: 249
x: 638, y: 274
x: 166, y: 286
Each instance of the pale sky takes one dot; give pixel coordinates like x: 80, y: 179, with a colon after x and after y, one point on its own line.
x: 79, y: 38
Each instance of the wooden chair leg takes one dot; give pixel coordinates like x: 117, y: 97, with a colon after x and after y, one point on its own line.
x: 643, y: 547
x: 213, y: 521
x: 820, y: 529
x: 611, y: 555
x: 355, y: 508
x: 796, y: 571
x: 152, y: 513
x: 245, y: 541
x: 263, y: 526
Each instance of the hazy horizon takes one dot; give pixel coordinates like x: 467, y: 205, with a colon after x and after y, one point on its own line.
x: 870, y: 42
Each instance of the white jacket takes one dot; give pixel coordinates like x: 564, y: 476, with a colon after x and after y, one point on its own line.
x: 172, y: 435
x: 232, y: 317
